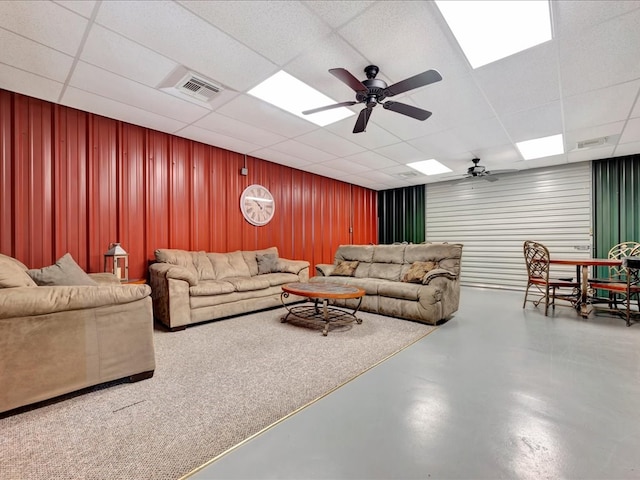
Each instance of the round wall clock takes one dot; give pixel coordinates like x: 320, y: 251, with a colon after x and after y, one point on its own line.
x: 257, y: 205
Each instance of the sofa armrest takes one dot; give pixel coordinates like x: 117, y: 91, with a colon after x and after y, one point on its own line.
x: 438, y: 272
x: 324, y: 269
x: 292, y: 266
x: 29, y: 301
x: 176, y: 272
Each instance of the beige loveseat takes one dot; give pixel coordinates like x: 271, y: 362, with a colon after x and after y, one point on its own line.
x: 416, y: 282
x: 192, y: 287
x: 60, y: 339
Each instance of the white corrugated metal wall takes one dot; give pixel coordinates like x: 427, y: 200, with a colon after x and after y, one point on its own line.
x: 493, y: 219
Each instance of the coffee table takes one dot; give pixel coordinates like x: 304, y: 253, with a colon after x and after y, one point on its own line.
x: 321, y: 293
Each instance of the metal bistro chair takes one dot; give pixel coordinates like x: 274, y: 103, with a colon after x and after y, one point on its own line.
x: 537, y: 258
x: 616, y: 273
x: 627, y: 289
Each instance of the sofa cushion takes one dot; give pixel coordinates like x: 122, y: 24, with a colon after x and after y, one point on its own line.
x: 388, y: 254
x: 64, y: 272
x: 247, y: 284
x: 6, y: 258
x: 280, y: 278
x: 12, y: 275
x: 211, y: 287
x: 230, y: 264
x: 203, y: 266
x: 250, y: 258
x: 267, y: 263
x: 417, y: 271
x: 361, y: 253
x: 406, y: 291
x: 387, y: 271
x: 178, y: 257
x: 345, y: 269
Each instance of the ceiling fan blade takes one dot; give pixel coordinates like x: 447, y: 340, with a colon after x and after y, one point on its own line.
x: 363, y: 119
x: 328, y: 107
x: 408, y: 110
x: 345, y: 76
x: 420, y: 80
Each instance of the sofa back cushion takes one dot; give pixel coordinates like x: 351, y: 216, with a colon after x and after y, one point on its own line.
x: 250, y: 258
x: 203, y: 266
x: 13, y: 273
x: 182, y: 258
x: 230, y: 264
x: 446, y: 255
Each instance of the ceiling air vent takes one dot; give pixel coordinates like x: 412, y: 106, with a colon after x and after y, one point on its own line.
x: 406, y: 174
x: 198, y: 87
x: 594, y: 142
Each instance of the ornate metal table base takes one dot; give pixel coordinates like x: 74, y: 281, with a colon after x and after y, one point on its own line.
x: 320, y: 312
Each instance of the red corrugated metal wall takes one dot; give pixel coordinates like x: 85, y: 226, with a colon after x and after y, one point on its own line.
x: 71, y: 181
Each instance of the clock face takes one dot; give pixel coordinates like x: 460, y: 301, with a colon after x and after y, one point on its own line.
x: 257, y: 205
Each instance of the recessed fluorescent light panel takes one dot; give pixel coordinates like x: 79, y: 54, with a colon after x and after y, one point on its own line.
x: 429, y: 167
x: 541, y: 147
x: 490, y: 30
x: 290, y: 94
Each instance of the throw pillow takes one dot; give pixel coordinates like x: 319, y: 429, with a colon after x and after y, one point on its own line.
x: 64, y: 272
x: 267, y: 263
x: 345, y: 269
x: 11, y: 275
x: 417, y: 271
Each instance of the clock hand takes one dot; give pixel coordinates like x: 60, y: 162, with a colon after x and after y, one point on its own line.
x: 259, y: 205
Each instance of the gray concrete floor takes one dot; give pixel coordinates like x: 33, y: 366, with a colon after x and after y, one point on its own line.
x: 496, y: 392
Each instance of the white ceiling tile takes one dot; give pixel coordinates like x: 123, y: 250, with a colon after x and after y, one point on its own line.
x: 82, y: 7
x: 627, y: 149
x: 191, y: 41
x: 600, y: 56
x: 104, y: 48
x: 374, y: 136
x: 217, y: 139
x: 98, y: 81
x: 536, y: 122
x: 590, y: 154
x: 336, y: 17
x: 231, y: 127
x: 631, y: 131
x: 636, y: 109
x: 301, y: 150
x: 600, y: 107
x: 371, y: 160
x: 345, y: 167
x: 280, y: 158
x: 286, y: 21
x: 90, y: 102
x: 612, y: 131
x: 330, y: 143
x: 27, y: 83
x: 47, y: 23
x: 325, y: 171
x: 32, y: 57
x: 402, y: 153
x: 511, y: 88
x: 453, y: 101
x: 572, y: 17
x: 250, y: 110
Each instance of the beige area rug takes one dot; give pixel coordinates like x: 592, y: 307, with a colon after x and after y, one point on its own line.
x: 215, y: 385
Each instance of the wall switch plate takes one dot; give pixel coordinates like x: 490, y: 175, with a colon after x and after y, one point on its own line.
x: 244, y: 171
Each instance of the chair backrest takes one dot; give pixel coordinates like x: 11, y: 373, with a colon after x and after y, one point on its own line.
x: 618, y: 252
x: 537, y: 259
x: 631, y: 267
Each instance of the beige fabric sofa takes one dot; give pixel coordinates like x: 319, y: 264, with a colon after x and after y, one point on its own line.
x: 59, y: 339
x: 380, y: 271
x: 192, y: 287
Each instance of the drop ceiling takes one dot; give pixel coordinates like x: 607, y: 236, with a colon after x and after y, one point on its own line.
x: 118, y: 59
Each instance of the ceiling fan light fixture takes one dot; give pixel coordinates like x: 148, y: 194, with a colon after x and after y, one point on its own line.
x: 541, y: 147
x: 429, y: 167
x: 294, y: 96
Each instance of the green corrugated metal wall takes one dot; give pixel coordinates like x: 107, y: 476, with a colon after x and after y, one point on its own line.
x: 616, y: 197
x: 401, y: 215
x: 616, y: 184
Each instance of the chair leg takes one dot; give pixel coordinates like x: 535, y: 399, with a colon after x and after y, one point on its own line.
x: 526, y: 293
x: 546, y: 301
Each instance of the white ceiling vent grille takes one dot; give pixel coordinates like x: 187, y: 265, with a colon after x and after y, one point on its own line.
x: 198, y: 87
x: 406, y: 174
x: 594, y: 142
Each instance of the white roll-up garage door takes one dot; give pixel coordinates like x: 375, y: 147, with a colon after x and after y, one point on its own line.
x: 493, y: 219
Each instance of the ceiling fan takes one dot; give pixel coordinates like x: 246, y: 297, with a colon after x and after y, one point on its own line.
x: 373, y: 91
x: 480, y: 171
